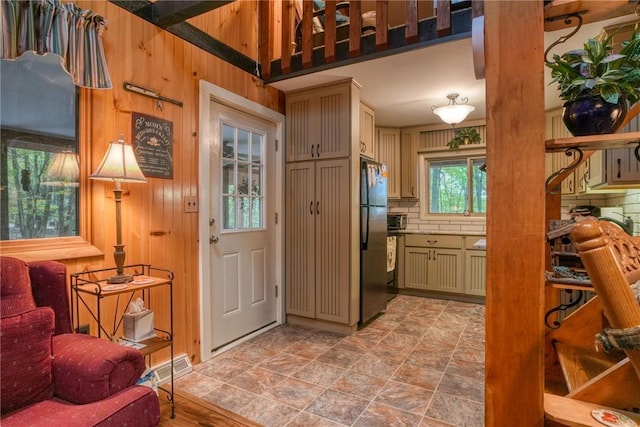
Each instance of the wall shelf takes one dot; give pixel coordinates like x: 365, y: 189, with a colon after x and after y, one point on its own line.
x: 590, y: 11
x: 594, y: 142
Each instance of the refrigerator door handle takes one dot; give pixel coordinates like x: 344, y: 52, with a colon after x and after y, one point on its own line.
x: 365, y: 228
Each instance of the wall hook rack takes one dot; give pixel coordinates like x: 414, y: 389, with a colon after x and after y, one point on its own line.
x: 130, y: 87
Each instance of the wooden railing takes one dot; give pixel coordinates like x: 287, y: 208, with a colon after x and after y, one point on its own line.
x: 289, y: 46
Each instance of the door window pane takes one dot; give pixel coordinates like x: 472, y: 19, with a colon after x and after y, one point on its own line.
x: 243, y: 175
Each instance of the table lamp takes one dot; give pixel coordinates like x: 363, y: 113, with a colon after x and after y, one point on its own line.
x: 119, y: 165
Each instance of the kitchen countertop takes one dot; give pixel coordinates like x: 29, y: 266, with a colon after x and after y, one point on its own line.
x: 451, y: 233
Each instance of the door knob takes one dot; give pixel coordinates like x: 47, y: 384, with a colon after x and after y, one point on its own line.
x: 213, y: 239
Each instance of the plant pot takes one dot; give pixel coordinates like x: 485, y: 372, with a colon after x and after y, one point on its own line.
x: 592, y: 115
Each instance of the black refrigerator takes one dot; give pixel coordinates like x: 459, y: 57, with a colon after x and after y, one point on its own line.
x: 373, y: 239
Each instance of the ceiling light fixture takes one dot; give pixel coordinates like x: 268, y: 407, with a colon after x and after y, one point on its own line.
x: 453, y: 113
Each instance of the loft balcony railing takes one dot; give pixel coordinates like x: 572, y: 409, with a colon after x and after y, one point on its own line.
x: 298, y: 37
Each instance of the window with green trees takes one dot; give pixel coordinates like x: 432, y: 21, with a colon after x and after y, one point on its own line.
x: 457, y: 186
x: 39, y: 166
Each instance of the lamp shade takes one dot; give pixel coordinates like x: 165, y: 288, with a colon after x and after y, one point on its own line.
x: 453, y: 113
x: 119, y: 164
x: 63, y: 171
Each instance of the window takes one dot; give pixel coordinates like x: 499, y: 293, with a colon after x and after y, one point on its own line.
x: 242, y: 177
x: 39, y: 192
x: 456, y: 186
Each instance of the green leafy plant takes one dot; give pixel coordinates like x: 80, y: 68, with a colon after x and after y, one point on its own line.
x: 465, y: 136
x: 595, y: 70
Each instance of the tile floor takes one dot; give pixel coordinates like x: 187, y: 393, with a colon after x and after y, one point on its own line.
x: 421, y: 363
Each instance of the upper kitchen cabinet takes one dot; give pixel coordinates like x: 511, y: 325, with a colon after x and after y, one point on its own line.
x: 318, y: 122
x: 367, y: 131
x: 409, y: 164
x: 622, y: 167
x: 555, y: 128
x: 388, y: 153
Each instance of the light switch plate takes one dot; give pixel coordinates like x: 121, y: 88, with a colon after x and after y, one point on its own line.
x: 190, y: 204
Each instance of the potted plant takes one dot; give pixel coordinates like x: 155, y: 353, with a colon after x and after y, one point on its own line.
x: 598, y: 85
x: 465, y: 136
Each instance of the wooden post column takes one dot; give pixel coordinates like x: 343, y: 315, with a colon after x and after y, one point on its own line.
x: 514, y: 49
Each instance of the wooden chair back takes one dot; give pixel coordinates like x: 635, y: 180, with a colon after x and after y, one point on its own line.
x: 612, y: 260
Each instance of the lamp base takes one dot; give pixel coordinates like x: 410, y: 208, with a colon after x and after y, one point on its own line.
x: 120, y: 278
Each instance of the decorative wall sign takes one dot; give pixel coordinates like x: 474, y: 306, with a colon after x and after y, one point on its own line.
x: 153, y: 145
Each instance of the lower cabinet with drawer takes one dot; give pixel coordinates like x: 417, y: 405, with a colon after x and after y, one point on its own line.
x: 433, y: 262
x: 442, y: 263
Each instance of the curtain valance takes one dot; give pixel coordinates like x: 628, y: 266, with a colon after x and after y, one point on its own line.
x: 50, y: 26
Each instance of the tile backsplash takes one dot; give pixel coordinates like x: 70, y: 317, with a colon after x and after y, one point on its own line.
x: 629, y: 201
x: 414, y: 223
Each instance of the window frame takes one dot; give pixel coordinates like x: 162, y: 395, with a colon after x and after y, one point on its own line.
x: 431, y: 155
x: 63, y: 248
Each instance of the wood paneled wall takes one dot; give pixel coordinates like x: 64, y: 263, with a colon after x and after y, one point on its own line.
x: 155, y: 228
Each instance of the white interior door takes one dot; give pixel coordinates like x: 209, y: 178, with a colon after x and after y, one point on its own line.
x: 242, y: 243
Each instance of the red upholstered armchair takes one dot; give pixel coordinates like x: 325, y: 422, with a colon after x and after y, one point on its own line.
x: 50, y: 376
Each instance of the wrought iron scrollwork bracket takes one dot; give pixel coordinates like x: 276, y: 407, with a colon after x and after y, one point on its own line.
x: 637, y: 150
x: 567, y: 20
x: 562, y: 307
x: 572, y: 166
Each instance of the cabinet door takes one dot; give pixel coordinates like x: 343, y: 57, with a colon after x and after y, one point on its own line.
x: 445, y: 270
x: 622, y: 166
x: 367, y: 131
x: 300, y: 239
x: 302, y: 135
x: 555, y: 128
x: 475, y: 273
x: 332, y: 213
x: 416, y: 267
x: 333, y: 123
x: 408, y: 165
x: 319, y: 123
x: 388, y: 153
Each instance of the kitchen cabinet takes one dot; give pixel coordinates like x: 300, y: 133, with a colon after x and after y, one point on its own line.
x: 317, y: 241
x: 475, y: 272
x: 433, y: 262
x: 443, y: 263
x: 409, y: 164
x: 622, y: 167
x: 322, y: 213
x: 388, y: 153
x: 555, y: 128
x: 318, y: 123
x: 367, y: 131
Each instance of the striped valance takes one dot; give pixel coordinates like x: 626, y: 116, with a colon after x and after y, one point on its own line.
x: 50, y: 26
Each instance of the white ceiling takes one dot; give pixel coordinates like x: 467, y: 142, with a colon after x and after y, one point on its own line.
x: 402, y: 88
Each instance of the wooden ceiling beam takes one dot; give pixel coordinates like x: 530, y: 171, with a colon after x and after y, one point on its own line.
x: 165, y: 13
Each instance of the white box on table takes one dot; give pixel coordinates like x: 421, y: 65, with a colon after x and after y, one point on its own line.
x: 138, y: 326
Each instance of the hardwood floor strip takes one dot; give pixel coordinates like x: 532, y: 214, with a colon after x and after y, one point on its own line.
x: 193, y: 411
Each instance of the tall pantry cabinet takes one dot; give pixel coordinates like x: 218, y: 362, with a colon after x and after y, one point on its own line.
x: 322, y: 274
